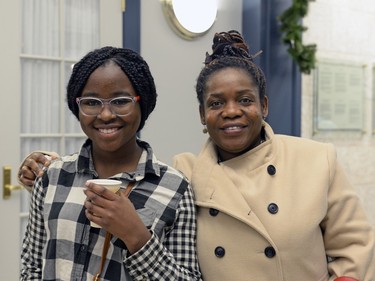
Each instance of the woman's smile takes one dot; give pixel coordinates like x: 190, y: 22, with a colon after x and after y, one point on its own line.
x: 108, y: 131
x: 233, y: 129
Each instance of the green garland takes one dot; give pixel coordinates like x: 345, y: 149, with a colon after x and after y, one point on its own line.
x: 303, y: 55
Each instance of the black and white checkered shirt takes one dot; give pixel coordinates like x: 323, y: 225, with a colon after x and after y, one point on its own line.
x: 59, y: 243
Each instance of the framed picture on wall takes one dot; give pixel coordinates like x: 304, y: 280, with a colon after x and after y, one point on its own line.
x: 339, y: 93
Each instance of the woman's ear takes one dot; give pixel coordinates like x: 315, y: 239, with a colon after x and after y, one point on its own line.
x: 202, y: 115
x: 264, y: 107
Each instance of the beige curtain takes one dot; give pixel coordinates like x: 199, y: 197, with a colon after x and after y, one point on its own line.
x: 55, y: 34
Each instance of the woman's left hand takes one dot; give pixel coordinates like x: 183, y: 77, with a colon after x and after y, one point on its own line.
x: 116, y: 214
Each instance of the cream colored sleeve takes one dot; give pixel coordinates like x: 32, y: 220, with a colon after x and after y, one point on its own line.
x: 348, y: 235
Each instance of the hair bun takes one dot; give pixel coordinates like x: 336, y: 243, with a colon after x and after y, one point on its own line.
x: 230, y: 44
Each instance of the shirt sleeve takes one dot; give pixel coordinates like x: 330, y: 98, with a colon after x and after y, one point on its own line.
x: 175, y: 257
x: 348, y: 235
x: 34, y: 238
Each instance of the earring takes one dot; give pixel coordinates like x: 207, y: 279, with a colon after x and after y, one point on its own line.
x: 204, y: 130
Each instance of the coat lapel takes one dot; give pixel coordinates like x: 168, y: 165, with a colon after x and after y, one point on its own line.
x: 214, y: 189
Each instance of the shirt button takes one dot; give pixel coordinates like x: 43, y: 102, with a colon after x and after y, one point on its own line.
x: 270, y: 252
x: 219, y: 252
x: 271, y: 170
x: 273, y: 208
x: 213, y: 212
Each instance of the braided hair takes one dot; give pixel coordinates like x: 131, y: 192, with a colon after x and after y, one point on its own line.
x: 131, y: 63
x: 229, y: 50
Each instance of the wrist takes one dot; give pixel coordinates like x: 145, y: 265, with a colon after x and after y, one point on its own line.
x: 134, y: 244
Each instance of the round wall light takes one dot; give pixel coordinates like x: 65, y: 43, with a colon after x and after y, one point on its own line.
x: 190, y: 18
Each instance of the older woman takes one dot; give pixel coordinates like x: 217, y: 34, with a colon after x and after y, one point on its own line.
x: 270, y: 207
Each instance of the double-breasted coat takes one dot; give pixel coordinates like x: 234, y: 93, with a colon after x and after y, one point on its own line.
x: 283, y: 211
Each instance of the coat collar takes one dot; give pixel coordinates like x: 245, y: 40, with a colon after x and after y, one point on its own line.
x: 213, y: 184
x: 206, y: 165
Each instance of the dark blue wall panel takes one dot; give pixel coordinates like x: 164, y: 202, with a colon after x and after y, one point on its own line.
x: 131, y: 19
x: 261, y: 30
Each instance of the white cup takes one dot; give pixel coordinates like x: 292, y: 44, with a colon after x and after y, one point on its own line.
x: 112, y: 185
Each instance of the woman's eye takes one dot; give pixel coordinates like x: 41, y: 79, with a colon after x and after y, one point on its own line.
x: 121, y: 101
x: 91, y: 102
x: 215, y: 104
x: 246, y: 101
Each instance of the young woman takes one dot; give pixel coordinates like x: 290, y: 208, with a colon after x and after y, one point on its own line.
x: 111, y: 92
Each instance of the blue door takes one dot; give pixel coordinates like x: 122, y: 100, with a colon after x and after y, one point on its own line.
x: 261, y: 30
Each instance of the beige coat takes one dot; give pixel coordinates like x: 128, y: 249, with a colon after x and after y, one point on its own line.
x: 277, y: 213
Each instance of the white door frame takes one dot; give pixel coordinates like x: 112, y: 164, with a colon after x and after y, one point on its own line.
x: 10, y: 141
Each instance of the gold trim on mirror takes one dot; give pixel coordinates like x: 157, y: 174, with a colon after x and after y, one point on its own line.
x: 177, y: 26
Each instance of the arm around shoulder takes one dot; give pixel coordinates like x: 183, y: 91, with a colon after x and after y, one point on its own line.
x: 33, y: 165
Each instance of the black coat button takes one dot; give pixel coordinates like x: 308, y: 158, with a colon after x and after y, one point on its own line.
x: 271, y: 170
x: 219, y: 252
x: 213, y: 212
x: 273, y: 208
x: 270, y: 252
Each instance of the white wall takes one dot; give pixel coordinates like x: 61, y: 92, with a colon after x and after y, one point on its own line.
x: 343, y: 31
x: 175, y: 126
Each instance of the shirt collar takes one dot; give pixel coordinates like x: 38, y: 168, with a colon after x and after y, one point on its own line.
x: 148, y: 163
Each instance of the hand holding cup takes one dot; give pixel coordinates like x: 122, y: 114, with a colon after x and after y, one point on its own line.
x: 112, y: 185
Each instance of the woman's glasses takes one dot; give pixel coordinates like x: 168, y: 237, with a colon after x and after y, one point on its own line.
x: 121, y: 106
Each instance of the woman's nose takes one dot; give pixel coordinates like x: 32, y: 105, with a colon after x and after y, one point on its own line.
x: 106, y: 113
x: 231, y: 109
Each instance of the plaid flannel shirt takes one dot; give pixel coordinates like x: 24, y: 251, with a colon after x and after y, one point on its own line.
x: 59, y: 243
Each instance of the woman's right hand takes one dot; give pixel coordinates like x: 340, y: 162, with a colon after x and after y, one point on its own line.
x: 33, y: 166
